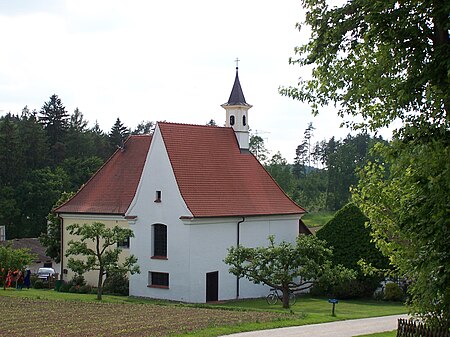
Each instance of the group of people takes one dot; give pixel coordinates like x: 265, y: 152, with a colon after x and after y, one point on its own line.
x: 18, y: 279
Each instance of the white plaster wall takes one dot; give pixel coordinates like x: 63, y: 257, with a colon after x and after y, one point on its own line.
x: 208, y: 248
x: 158, y: 176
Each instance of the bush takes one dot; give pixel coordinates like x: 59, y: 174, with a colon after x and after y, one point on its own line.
x: 86, y: 289
x: 350, y: 289
x: 38, y: 284
x: 74, y: 285
x: 392, y: 292
x: 350, y: 239
x: 33, y: 279
x: 74, y: 289
x: 64, y: 288
x: 116, y: 283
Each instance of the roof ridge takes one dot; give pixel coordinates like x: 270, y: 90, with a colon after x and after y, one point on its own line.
x: 195, y: 125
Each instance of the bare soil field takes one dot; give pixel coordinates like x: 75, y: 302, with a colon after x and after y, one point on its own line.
x: 35, y: 317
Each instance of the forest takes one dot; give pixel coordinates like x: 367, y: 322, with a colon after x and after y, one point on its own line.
x: 45, y: 153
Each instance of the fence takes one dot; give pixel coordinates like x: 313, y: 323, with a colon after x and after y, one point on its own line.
x: 408, y: 328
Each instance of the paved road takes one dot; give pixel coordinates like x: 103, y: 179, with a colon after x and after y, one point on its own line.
x: 354, y: 327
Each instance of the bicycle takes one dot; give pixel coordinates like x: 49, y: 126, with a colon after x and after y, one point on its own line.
x: 276, y: 295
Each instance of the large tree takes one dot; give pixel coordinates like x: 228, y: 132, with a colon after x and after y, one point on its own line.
x: 410, y: 217
x: 286, y: 266
x: 97, y: 245
x: 380, y: 60
x: 55, y: 119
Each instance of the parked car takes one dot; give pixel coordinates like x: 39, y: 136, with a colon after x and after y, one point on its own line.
x: 44, y: 273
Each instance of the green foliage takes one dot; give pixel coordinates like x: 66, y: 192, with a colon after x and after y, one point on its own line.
x: 13, y: 259
x: 406, y: 198
x: 51, y: 239
x: 38, y: 284
x: 118, y: 134
x: 116, y: 283
x: 286, y: 266
x: 392, y: 292
x: 379, y: 60
x: 104, y: 257
x: 280, y: 171
x: 347, y: 233
x: 258, y: 148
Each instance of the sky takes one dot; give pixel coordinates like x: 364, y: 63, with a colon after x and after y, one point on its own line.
x: 174, y: 61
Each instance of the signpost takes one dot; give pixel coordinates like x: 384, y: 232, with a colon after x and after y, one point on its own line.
x: 333, y: 301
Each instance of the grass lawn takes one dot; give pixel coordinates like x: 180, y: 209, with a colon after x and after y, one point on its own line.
x: 68, y: 314
x: 317, y: 219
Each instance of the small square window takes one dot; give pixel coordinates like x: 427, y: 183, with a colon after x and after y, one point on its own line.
x: 158, y: 196
x: 124, y: 244
x: 158, y: 280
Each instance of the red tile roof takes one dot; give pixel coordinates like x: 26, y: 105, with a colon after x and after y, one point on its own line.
x: 216, y: 179
x: 112, y: 188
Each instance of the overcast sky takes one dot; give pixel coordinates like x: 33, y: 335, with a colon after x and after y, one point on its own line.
x: 158, y: 60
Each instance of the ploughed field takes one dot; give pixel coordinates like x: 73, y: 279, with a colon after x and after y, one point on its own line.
x: 40, y: 317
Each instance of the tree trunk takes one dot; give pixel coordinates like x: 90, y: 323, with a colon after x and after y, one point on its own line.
x: 285, y: 297
x: 100, y: 284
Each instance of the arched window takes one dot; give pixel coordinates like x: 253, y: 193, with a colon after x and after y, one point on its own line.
x: 159, y: 240
x: 244, y: 120
x: 231, y: 120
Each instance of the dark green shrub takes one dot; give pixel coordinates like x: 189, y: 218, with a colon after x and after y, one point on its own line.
x: 78, y: 280
x: 86, y: 289
x: 33, y: 279
x: 348, y: 290
x: 74, y: 289
x: 392, y: 292
x: 116, y: 283
x: 351, y: 241
x: 64, y: 288
x: 39, y: 284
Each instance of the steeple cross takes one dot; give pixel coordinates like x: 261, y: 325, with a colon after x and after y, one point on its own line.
x: 237, y: 62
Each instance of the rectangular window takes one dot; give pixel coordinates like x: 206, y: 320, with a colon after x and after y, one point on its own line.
x: 158, y: 196
x: 124, y: 244
x: 158, y: 280
x: 160, y: 240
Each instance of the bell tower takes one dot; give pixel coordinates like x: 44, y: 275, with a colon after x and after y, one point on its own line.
x: 237, y: 113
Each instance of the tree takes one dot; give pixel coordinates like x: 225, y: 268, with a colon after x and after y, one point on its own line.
x: 406, y: 196
x: 377, y: 60
x: 257, y: 147
x: 55, y: 120
x: 104, y: 256
x: 13, y: 259
x: 280, y: 170
x: 118, y: 134
x: 36, y: 196
x: 286, y: 266
x: 51, y: 239
x: 144, y: 128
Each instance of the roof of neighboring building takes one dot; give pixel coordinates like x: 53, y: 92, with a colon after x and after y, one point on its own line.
x: 237, y: 95
x: 112, y: 188
x: 302, y: 228
x: 216, y: 179
x: 33, y: 244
